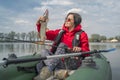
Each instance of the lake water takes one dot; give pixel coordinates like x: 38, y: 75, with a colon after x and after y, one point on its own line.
x: 28, y: 48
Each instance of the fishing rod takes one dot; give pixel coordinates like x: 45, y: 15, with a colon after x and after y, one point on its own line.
x: 8, y: 61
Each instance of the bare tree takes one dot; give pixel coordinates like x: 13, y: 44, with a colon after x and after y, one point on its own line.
x: 23, y: 35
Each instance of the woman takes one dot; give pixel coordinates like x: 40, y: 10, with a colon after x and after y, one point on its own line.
x: 70, y: 27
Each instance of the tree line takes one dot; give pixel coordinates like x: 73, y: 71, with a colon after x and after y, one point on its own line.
x: 18, y: 37
x: 102, y: 38
x: 32, y: 36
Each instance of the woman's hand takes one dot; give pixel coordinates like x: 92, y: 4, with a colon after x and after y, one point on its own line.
x: 42, y: 18
x: 76, y: 49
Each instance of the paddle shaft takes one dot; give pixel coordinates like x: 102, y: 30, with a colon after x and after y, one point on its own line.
x: 16, y: 61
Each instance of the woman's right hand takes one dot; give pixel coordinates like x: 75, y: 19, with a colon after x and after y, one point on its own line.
x: 42, y: 18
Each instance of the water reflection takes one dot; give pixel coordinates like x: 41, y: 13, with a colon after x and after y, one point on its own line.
x: 9, y: 47
x: 104, y: 45
x: 19, y: 49
x: 1, y: 48
x: 29, y: 48
x: 92, y: 47
x: 118, y: 46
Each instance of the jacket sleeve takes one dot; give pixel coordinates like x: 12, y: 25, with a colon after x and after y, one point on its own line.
x: 51, y: 34
x: 84, y: 42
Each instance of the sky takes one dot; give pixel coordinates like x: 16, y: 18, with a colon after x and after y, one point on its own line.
x: 98, y: 16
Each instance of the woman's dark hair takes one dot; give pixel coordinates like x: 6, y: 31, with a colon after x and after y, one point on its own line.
x: 77, y: 18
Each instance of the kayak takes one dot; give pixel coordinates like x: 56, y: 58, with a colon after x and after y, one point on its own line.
x: 94, y: 67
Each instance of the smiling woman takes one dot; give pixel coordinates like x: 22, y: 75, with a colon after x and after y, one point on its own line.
x: 64, y: 37
x: 96, y: 16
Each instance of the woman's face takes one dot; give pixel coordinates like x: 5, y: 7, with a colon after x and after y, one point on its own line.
x: 69, y: 22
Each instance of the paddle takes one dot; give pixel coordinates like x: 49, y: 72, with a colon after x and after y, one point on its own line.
x: 6, y: 61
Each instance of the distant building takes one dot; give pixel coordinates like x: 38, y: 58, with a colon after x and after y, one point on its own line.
x: 114, y: 40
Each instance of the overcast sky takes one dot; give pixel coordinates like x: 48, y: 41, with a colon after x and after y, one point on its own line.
x: 98, y: 16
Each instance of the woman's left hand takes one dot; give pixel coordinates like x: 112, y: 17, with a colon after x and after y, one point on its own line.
x: 76, y: 49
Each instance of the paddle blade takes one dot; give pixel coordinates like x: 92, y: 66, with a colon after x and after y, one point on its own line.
x: 109, y: 50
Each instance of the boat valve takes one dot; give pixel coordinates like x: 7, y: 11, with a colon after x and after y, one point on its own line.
x: 88, y: 61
